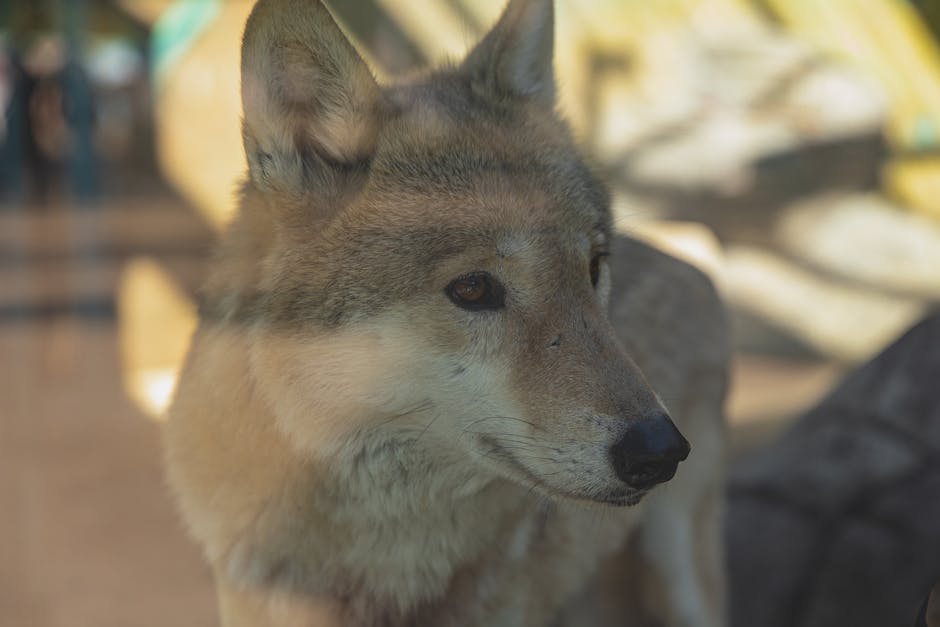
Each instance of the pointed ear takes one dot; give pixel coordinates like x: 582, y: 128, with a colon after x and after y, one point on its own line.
x: 311, y: 105
x: 515, y: 58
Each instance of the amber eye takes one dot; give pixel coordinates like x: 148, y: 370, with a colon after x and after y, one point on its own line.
x: 476, y: 291
x: 595, y: 267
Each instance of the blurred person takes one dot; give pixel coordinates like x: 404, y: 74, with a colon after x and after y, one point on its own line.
x: 48, y: 120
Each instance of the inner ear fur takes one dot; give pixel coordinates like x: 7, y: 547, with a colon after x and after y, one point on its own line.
x: 515, y: 59
x: 312, y: 109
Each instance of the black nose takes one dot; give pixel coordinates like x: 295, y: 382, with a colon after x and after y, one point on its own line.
x: 649, y: 452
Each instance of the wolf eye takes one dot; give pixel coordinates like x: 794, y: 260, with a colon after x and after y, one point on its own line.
x: 476, y: 292
x: 595, y: 267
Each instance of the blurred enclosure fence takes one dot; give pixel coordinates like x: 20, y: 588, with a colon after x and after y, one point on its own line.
x: 790, y: 148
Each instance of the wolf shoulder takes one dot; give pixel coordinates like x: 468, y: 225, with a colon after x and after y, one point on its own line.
x: 669, y: 314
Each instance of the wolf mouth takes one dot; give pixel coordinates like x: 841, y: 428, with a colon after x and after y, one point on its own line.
x: 619, y: 498
x: 623, y: 500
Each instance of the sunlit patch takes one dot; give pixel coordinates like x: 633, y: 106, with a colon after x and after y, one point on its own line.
x: 155, y: 321
x: 152, y: 390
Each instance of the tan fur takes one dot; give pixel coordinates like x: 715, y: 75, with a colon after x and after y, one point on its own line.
x: 350, y: 447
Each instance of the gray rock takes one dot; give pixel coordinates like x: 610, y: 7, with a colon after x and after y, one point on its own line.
x: 838, y: 522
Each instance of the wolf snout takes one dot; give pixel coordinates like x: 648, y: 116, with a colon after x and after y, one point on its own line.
x: 649, y: 452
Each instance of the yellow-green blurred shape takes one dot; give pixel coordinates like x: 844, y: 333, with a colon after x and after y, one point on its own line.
x: 155, y: 323
x: 916, y: 181
x: 889, y: 40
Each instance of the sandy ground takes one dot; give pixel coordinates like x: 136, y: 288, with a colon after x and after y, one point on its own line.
x: 90, y: 537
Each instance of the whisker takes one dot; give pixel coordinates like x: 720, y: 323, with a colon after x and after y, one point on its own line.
x: 517, y: 419
x: 508, y: 437
x: 426, y: 427
x: 520, y: 448
x: 554, y: 440
x: 420, y: 407
x: 536, y: 457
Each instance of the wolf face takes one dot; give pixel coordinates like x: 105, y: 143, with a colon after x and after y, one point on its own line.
x: 429, y: 264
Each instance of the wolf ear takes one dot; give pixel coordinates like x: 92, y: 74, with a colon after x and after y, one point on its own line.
x: 515, y: 58
x: 311, y: 106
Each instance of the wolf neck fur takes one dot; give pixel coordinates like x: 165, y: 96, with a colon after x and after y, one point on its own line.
x: 392, y: 521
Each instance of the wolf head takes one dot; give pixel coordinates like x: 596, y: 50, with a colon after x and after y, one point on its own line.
x: 426, y: 263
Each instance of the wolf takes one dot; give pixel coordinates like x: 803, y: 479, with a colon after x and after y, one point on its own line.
x: 431, y: 385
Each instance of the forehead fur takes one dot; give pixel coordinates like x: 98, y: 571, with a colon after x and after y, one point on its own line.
x: 476, y: 155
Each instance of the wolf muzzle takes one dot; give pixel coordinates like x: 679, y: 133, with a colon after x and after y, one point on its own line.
x: 649, y: 452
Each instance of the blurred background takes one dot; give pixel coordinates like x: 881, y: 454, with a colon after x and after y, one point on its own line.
x: 789, y: 148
